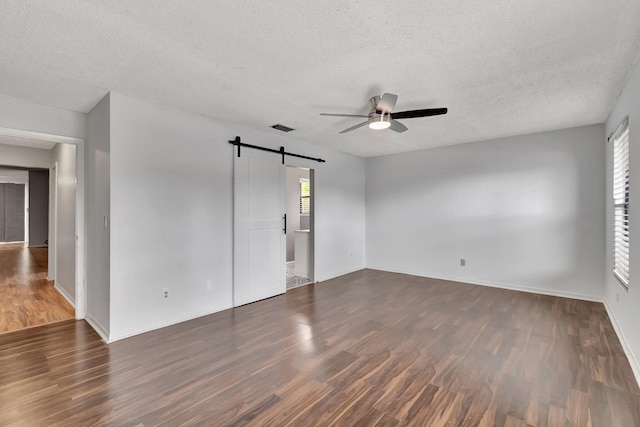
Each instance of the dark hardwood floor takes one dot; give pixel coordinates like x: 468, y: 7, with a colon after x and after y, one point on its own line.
x: 368, y: 349
x: 27, y: 298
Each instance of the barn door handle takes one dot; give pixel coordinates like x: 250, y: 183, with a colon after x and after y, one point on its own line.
x: 284, y: 217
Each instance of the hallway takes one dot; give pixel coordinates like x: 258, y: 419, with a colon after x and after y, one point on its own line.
x: 27, y: 299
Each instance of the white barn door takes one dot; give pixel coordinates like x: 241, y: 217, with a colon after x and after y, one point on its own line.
x: 259, y: 241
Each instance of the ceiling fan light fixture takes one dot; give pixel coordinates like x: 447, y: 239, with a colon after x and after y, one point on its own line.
x: 381, y: 116
x: 381, y: 122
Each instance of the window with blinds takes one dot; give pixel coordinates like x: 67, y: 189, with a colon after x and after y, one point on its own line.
x: 620, y: 140
x: 305, y: 196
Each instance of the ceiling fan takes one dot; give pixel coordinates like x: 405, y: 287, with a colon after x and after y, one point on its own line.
x: 382, y: 116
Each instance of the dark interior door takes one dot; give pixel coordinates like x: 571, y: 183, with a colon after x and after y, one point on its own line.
x: 13, y: 212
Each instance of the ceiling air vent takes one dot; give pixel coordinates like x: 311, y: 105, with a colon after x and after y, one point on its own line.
x: 282, y: 128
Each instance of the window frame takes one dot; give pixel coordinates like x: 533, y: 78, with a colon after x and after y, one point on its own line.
x: 621, y: 200
x: 300, y: 204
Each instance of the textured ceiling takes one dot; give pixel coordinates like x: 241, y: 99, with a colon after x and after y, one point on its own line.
x: 502, y: 67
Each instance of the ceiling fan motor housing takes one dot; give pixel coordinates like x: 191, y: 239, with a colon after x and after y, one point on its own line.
x: 382, y: 116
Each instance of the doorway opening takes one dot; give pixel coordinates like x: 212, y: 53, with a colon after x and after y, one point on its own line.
x: 300, y: 226
x: 38, y: 264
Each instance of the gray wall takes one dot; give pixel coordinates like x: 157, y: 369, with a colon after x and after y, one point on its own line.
x: 62, y: 233
x: 525, y: 212
x: 97, y: 202
x: 38, y: 208
x: 293, y: 207
x: 623, y: 304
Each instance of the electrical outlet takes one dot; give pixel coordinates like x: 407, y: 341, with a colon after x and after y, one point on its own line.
x: 209, y: 285
x: 165, y: 294
x: 463, y: 262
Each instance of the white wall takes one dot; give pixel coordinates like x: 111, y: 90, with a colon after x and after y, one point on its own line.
x: 623, y: 305
x: 62, y: 219
x: 525, y: 212
x: 97, y: 201
x: 26, y: 157
x: 171, y: 213
x: 23, y: 115
x: 292, y: 185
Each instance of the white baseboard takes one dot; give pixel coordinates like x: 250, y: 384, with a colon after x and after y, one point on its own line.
x: 635, y: 366
x: 170, y: 323
x: 322, y: 278
x: 500, y: 285
x: 100, y: 330
x: 64, y: 293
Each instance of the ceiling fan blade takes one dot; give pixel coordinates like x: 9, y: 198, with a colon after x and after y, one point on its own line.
x: 386, y: 103
x: 397, y: 126
x: 355, y: 127
x: 343, y: 115
x: 418, y: 113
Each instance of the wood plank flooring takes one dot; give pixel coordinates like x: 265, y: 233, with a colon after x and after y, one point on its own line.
x: 27, y: 299
x: 366, y: 349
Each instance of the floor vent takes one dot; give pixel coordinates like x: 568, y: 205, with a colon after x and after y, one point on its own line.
x: 283, y: 128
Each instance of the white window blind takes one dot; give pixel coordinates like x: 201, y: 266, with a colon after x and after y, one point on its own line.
x: 620, y: 140
x: 305, y: 196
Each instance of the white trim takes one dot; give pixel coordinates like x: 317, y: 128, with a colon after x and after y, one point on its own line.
x: 52, y: 270
x: 500, y: 285
x: 171, y: 323
x: 635, y: 366
x: 81, y: 232
x: 27, y: 218
x: 345, y: 272
x: 38, y: 136
x: 98, y: 328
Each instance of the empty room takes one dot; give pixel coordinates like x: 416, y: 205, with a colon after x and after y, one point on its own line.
x: 320, y: 214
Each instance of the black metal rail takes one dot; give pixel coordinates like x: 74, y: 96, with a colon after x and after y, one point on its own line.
x: 281, y: 151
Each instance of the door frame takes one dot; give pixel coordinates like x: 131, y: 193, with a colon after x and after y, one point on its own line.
x: 53, y: 230
x: 81, y: 232
x: 296, y: 162
x: 312, y: 215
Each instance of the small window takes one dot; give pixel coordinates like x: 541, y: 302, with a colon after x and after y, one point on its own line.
x: 305, y: 196
x: 620, y: 139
